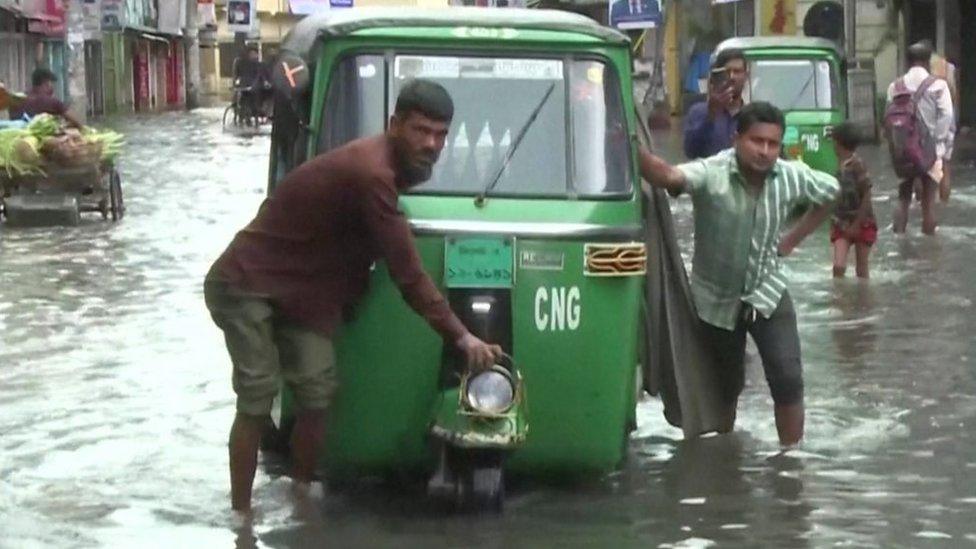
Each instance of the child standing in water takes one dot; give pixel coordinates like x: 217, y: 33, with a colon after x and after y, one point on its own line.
x: 853, y: 222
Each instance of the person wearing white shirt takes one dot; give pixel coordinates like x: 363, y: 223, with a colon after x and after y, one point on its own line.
x: 946, y: 70
x: 935, y: 111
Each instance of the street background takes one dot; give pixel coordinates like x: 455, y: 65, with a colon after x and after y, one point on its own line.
x: 116, y: 397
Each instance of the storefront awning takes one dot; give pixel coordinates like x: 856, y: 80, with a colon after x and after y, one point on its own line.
x: 42, y: 23
x: 150, y: 33
x: 154, y: 38
x: 37, y: 22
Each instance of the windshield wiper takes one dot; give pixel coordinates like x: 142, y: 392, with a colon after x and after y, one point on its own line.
x: 803, y: 90
x: 479, y: 200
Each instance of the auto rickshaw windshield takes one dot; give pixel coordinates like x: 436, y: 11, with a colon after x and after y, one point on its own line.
x: 578, y: 144
x: 792, y: 84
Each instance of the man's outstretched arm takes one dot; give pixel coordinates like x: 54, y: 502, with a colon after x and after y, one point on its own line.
x: 659, y: 173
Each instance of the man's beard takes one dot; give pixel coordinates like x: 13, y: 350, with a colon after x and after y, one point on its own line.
x: 415, y: 175
x: 412, y: 174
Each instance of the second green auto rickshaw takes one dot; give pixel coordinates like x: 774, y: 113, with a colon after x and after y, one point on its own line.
x: 805, y: 78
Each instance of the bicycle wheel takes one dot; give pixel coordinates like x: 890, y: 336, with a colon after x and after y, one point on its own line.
x: 229, y: 111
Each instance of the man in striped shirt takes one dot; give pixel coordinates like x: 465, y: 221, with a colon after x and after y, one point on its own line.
x: 741, y: 198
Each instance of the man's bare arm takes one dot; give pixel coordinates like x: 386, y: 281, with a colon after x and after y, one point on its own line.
x: 658, y: 172
x: 806, y: 225
x: 72, y: 120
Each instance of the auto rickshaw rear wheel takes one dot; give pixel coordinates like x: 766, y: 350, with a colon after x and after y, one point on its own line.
x: 277, y: 438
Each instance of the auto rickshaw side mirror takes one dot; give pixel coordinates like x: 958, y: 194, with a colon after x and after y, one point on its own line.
x: 290, y: 76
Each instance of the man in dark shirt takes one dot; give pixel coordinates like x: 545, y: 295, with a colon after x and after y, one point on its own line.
x: 279, y: 290
x: 710, y: 125
x: 41, y: 99
x: 251, y: 75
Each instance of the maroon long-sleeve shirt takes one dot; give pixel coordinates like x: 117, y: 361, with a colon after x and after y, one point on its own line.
x: 313, y: 240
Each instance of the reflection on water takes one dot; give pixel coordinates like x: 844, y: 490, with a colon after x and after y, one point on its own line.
x: 116, y: 395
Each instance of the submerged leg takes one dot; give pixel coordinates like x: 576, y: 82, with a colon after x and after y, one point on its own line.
x: 900, y: 214
x: 929, y: 190
x: 778, y: 342
x: 789, y: 423
x: 863, y: 252
x: 245, y: 438
x: 306, y: 439
x: 841, y: 247
x: 727, y: 349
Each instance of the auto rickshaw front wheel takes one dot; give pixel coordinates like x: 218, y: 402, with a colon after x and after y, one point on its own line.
x: 469, y: 480
x: 482, y: 489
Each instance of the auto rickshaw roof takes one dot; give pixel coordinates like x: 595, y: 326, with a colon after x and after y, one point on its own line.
x: 342, y: 22
x: 778, y: 43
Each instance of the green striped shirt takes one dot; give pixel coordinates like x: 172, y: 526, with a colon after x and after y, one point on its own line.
x: 737, y: 234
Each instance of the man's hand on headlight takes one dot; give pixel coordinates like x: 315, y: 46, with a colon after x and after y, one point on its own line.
x: 479, y: 355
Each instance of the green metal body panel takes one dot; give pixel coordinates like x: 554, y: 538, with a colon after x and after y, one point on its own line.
x: 579, y: 384
x: 813, y: 144
x: 808, y: 135
x: 389, y: 363
x: 579, y: 387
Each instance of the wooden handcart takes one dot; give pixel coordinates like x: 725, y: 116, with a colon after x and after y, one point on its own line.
x: 96, y: 187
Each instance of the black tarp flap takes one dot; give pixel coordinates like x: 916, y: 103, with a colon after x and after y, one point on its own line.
x: 677, y: 366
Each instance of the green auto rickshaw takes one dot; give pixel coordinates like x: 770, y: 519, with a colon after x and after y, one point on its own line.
x: 531, y: 225
x: 804, y: 77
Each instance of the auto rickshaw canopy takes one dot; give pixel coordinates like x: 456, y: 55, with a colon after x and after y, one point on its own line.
x: 320, y: 27
x: 779, y: 43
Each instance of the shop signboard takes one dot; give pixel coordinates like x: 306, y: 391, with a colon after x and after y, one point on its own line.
x: 308, y: 7
x: 490, y: 3
x: 207, y: 13
x: 242, y: 15
x: 113, y: 15
x: 171, y: 17
x: 635, y: 14
x: 91, y: 12
x: 778, y: 17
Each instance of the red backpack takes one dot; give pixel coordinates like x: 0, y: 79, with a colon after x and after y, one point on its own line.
x: 909, y: 140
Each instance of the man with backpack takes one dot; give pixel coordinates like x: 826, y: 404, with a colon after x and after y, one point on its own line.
x: 918, y: 127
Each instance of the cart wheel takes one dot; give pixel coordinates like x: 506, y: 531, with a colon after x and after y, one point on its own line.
x: 116, y: 205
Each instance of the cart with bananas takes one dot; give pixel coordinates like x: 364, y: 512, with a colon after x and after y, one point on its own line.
x: 65, y: 172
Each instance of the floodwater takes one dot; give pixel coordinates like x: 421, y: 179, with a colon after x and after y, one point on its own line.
x: 115, y: 395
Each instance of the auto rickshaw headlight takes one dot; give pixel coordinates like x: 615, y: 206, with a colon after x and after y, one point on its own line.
x: 491, y: 391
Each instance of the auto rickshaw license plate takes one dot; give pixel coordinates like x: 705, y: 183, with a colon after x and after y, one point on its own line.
x: 483, y: 262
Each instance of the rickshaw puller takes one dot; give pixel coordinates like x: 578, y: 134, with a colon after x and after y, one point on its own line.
x: 741, y: 197
x: 280, y: 289
x: 41, y: 100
